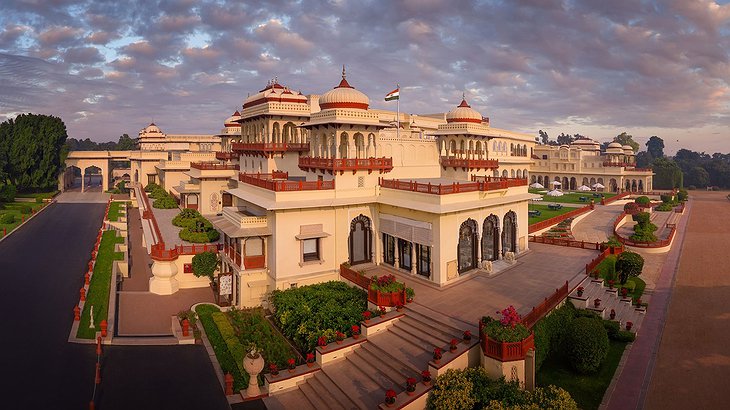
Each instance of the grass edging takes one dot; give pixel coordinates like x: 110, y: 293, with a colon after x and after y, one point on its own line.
x: 98, y: 293
x: 222, y: 354
x: 37, y: 208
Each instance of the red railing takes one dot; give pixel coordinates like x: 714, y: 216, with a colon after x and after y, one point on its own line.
x: 269, y: 146
x: 537, y: 226
x: 610, y: 250
x: 469, y: 163
x: 507, y: 352
x: 346, y: 164
x: 233, y: 255
x: 226, y: 156
x: 158, y: 251
x: 148, y: 214
x: 389, y: 299
x: 489, y: 184
x: 606, y: 201
x: 355, y: 277
x: 254, y: 262
x: 640, y: 244
x: 539, y: 311
x: 214, y: 166
x: 564, y: 242
x: 284, y: 185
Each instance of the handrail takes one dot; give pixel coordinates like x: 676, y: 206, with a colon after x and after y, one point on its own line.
x: 538, y: 226
x: 488, y: 184
x: 571, y: 243
x: 149, y: 214
x: 270, y: 146
x: 382, y: 164
x: 507, y: 351
x: 539, y: 311
x: 284, y: 185
x: 469, y: 163
x: 214, y: 166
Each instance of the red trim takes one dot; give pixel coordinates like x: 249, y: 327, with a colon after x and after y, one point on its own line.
x: 464, y: 103
x: 344, y: 84
x: 326, y: 106
x: 228, y: 124
x: 272, y: 99
x: 474, y: 120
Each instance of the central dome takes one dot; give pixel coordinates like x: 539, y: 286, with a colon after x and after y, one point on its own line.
x: 344, y: 96
x: 464, y: 113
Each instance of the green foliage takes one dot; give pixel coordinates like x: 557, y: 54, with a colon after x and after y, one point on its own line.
x: 167, y: 202
x: 627, y: 139
x: 642, y: 200
x: 667, y: 174
x: 304, y: 314
x: 230, y: 339
x: 665, y: 207
x: 25, y: 209
x: 452, y: 391
x: 586, y: 344
x: 225, y: 359
x: 125, y: 143
x: 205, y: 264
x: 613, y: 241
x: 495, y: 330
x: 612, y: 328
x: 386, y: 284
x: 631, y: 208
x: 607, y: 268
x: 252, y: 328
x: 186, y: 218
x: 641, y: 218
x: 151, y: 187
x: 410, y: 293
x: 552, y: 398
x: 624, y: 336
x: 629, y: 264
x: 550, y: 332
x: 7, y: 218
x: 655, y: 146
x: 30, y: 151
x: 7, y: 193
x: 682, y: 195
x: 666, y: 198
x: 199, y: 230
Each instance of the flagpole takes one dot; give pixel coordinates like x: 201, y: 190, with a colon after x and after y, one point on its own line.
x: 397, y: 130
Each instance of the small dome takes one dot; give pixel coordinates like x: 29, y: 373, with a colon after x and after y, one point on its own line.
x: 628, y: 149
x: 584, y: 141
x: 274, y: 92
x: 344, y: 96
x: 464, y: 113
x: 151, y: 129
x: 615, y: 145
x: 232, y: 121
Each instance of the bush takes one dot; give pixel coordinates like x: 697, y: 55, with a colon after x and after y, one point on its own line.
x: 666, y: 198
x: 612, y: 328
x: 186, y: 218
x: 642, y: 200
x: 631, y: 208
x: 205, y: 264
x: 495, y: 330
x: 151, y: 187
x: 550, y: 332
x: 641, y: 218
x: 452, y: 390
x: 552, y: 398
x: 586, y: 344
x: 199, y: 237
x: 682, y: 195
x: 25, y: 209
x: 664, y: 207
x: 624, y: 336
x: 7, y: 218
x: 629, y: 264
x: 166, y: 202
x: 7, y: 193
x: 613, y: 241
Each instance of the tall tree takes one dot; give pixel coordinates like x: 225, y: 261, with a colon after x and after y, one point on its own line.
x: 565, y: 139
x: 655, y: 146
x: 667, y: 174
x: 644, y: 159
x: 627, y: 139
x: 544, y: 137
x: 126, y: 143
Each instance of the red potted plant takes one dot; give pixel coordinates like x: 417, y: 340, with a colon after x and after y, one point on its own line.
x: 596, y: 303
x: 624, y: 292
x: 310, y: 359
x: 339, y: 337
x: 322, y: 342
x: 612, y: 314
x: 452, y: 344
x: 467, y: 336
x: 629, y: 325
x: 382, y: 311
x: 638, y: 302
x: 437, y: 355
x: 366, y: 316
x: 355, y: 331
x: 292, y: 364
x: 579, y: 291
x: 610, y: 284
x: 390, y: 396
x: 426, y: 377
x: 273, y: 369
x: 398, y: 307
x: 411, y: 386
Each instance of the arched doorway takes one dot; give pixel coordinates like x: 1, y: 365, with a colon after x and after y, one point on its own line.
x: 566, y: 183
x: 467, y: 248
x: 490, y: 238
x: 360, y: 241
x: 628, y: 185
x: 641, y: 186
x: 191, y: 201
x: 509, y: 233
x: 573, y: 183
x: 539, y: 180
x: 633, y: 185
x: 612, y: 185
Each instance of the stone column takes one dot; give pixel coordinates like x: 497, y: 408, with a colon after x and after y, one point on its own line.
x: 413, y: 259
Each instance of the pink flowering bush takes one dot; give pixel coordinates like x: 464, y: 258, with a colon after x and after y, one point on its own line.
x: 507, y: 329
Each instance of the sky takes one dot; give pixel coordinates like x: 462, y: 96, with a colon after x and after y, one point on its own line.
x: 592, y: 67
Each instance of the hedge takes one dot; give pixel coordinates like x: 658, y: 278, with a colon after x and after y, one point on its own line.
x: 586, y: 344
x: 166, y: 202
x: 224, y: 356
x: 7, y: 218
x: 186, y: 218
x: 550, y: 332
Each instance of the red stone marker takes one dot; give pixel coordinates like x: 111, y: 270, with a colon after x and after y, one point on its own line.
x: 86, y: 278
x: 103, y: 325
x: 229, y: 384
x: 82, y: 294
x: 98, y: 374
x: 98, y: 346
x: 186, y: 327
x: 77, y: 313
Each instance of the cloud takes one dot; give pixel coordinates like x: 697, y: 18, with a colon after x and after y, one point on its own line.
x: 83, y: 55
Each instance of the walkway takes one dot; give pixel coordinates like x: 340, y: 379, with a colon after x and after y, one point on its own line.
x: 597, y: 226
x: 78, y: 197
x: 41, y: 268
x: 693, y: 365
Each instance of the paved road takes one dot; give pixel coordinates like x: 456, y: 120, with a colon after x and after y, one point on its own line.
x: 41, y: 271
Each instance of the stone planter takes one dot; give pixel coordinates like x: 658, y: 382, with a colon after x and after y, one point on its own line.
x: 253, y: 366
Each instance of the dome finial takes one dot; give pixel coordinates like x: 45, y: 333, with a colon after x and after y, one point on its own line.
x: 343, y: 72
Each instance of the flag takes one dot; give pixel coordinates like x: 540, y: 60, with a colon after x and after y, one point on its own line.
x: 393, y: 95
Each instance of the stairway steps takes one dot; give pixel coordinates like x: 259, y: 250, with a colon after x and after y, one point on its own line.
x: 398, y: 363
x: 316, y: 398
x: 441, y: 331
x: 285, y: 401
x: 412, y: 354
x: 417, y: 333
x: 446, y: 323
x: 376, y: 370
x: 364, y: 391
x: 322, y: 383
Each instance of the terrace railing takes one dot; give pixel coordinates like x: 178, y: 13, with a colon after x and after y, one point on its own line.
x: 487, y: 184
x: 346, y: 164
x: 538, y: 226
x: 214, y: 166
x: 261, y: 181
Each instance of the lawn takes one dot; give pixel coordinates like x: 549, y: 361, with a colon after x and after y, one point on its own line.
x: 14, y: 208
x: 114, y: 210
x: 572, y: 197
x: 98, y: 293
x: 547, y: 213
x: 586, y: 390
x: 36, y: 195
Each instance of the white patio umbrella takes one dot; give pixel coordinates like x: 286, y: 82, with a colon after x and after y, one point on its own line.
x: 539, y: 198
x: 584, y: 188
x: 555, y: 192
x: 556, y: 183
x: 598, y: 185
x: 537, y: 185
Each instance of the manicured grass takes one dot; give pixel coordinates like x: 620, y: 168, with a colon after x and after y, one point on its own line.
x: 606, y: 271
x: 586, y: 390
x: 98, y: 293
x: 14, y: 208
x: 226, y: 360
x: 572, y: 197
x: 114, y: 210
x: 42, y: 195
x: 547, y: 213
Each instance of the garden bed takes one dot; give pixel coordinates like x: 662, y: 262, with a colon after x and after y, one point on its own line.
x: 17, y: 210
x: 607, y: 271
x: 98, y: 294
x: 547, y: 213
x: 573, y: 197
x: 114, y: 208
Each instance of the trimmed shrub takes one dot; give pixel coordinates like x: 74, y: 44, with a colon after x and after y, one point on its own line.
x: 205, y: 264
x: 641, y: 218
x: 552, y: 398
x: 199, y: 230
x: 624, y: 336
x: 151, y: 187
x: 452, y: 390
x: 642, y: 200
x: 631, y: 208
x: 629, y: 264
x: 666, y: 198
x: 612, y: 328
x: 25, y: 209
x: 682, y: 195
x: 550, y: 332
x: 664, y: 207
x: 186, y: 218
x: 7, y: 193
x: 7, y: 218
x: 586, y: 344
x: 166, y: 202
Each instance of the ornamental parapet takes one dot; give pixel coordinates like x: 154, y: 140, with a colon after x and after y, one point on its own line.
x: 341, y: 165
x: 268, y: 148
x: 469, y: 163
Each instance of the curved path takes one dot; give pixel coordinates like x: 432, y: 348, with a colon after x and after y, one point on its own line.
x: 597, y: 226
x: 41, y: 268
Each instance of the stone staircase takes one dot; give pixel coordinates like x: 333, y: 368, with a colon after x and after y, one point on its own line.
x: 625, y: 310
x: 384, y: 361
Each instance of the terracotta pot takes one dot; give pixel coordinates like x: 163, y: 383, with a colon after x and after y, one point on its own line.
x: 410, y: 393
x: 427, y: 382
x: 339, y: 342
x: 452, y: 348
x: 389, y: 404
x: 437, y: 361
x: 310, y: 364
x: 367, y: 320
x: 291, y: 370
x: 356, y: 336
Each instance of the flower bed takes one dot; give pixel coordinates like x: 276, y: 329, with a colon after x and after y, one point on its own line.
x: 98, y: 294
x: 307, y: 313
x: 505, y: 339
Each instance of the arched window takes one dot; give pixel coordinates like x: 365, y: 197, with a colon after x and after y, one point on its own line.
x: 509, y: 234
x: 467, y: 248
x: 360, y: 240
x: 490, y: 238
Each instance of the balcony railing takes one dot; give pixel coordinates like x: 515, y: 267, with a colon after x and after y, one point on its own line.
x: 469, y: 163
x: 486, y: 184
x: 341, y: 165
x: 254, y: 262
x: 507, y: 352
x: 230, y: 251
x: 161, y: 254
x: 268, y: 148
x: 226, y: 156
x: 213, y: 166
x: 272, y: 183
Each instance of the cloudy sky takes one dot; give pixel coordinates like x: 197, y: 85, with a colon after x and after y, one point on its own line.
x: 593, y: 67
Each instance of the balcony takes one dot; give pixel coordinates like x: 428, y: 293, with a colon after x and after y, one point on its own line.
x: 466, y: 164
x: 214, y: 166
x: 249, y: 262
x: 341, y: 165
x: 629, y: 167
x: 226, y: 156
x: 477, y: 184
x: 272, y: 183
x: 268, y: 149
